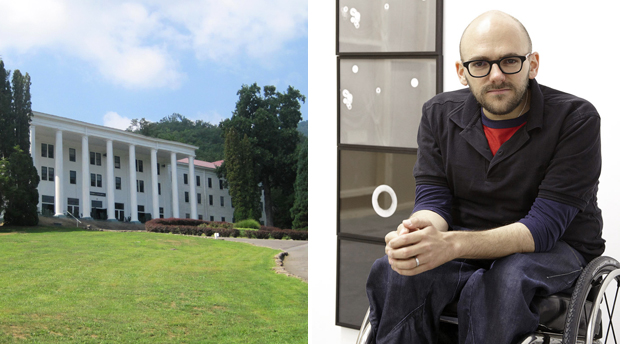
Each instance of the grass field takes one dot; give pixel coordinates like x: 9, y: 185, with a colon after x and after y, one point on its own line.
x: 59, y: 286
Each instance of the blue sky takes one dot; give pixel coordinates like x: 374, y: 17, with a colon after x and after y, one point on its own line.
x: 106, y: 62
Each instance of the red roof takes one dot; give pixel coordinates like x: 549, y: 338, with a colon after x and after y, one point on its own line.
x: 212, y: 165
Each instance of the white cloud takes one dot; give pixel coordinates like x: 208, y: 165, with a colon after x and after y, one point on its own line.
x: 114, y: 120
x: 138, y: 44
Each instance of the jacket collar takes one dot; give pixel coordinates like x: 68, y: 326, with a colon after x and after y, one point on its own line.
x: 469, y: 114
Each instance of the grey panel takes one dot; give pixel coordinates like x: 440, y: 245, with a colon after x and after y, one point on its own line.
x: 381, y: 100
x: 360, y: 174
x: 386, y: 25
x: 356, y: 259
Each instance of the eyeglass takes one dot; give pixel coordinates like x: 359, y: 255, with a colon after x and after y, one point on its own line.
x: 508, y: 65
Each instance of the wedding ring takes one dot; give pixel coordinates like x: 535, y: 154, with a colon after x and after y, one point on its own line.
x: 417, y: 262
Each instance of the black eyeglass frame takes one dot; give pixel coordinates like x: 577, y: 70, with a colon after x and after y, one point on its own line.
x: 491, y: 63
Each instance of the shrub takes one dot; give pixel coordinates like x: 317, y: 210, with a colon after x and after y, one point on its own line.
x: 248, y: 224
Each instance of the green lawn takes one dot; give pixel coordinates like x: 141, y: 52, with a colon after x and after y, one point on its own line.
x: 59, y: 285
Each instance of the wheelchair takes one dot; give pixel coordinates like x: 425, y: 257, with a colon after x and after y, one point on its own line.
x: 582, y: 314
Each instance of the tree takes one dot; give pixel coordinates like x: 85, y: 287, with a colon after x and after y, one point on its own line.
x: 20, y: 188
x: 19, y: 178
x: 241, y: 182
x: 206, y: 136
x: 269, y: 119
x: 6, y: 123
x: 21, y: 108
x: 299, y: 212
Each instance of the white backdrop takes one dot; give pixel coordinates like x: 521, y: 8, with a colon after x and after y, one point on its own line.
x: 577, y: 42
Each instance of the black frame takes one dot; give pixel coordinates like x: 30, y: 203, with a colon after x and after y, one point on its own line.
x: 438, y: 56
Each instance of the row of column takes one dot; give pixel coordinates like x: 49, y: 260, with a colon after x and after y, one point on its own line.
x: 59, y: 202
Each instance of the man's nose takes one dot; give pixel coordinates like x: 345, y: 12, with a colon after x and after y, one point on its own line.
x: 496, y: 74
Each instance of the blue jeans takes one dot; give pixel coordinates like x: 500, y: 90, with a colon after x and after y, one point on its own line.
x: 493, y: 296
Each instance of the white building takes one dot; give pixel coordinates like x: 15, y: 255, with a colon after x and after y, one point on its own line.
x: 93, y: 171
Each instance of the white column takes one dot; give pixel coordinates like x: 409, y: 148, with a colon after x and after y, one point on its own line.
x: 59, y: 204
x: 133, y: 203
x: 33, y: 145
x: 111, y: 183
x: 175, y: 185
x: 192, y: 189
x: 33, y: 154
x: 154, y: 180
x: 86, y: 205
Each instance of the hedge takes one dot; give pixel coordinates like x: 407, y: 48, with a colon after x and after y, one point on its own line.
x: 225, y: 229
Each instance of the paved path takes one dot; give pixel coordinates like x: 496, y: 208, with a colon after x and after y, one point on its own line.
x: 295, y: 263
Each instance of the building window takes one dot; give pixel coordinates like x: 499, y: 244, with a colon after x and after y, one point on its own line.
x: 73, y: 206
x: 139, y: 166
x: 44, y: 150
x: 199, y: 198
x: 197, y: 180
x: 117, y: 161
x: 199, y: 217
x: 157, y: 168
x: 223, y: 219
x: 140, y: 185
x: 210, y: 199
x: 96, y: 180
x: 159, y: 188
x: 72, y: 154
x: 96, y: 204
x: 43, y: 173
x: 186, y: 196
x: 222, y: 201
x: 187, y: 215
x: 140, y: 208
x: 118, y: 183
x: 95, y: 158
x: 72, y: 177
x: 161, y: 212
x: 221, y: 184
x: 211, y: 218
x: 209, y: 182
x: 50, y: 174
x: 185, y: 178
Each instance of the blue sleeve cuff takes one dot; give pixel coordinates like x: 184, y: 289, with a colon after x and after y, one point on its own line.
x: 437, y: 199
x: 547, y: 221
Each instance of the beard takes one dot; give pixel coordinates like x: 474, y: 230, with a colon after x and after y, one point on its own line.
x: 501, y: 105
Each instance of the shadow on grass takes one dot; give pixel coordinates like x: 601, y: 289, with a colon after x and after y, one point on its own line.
x: 40, y: 229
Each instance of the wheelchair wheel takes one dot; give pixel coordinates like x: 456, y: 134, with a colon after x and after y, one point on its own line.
x: 364, y: 336
x: 593, y: 303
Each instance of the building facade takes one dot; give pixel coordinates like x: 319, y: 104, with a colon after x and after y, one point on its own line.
x: 97, y: 172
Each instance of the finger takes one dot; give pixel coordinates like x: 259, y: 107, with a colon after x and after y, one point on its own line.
x: 390, y: 236
x: 419, y: 223
x: 405, y: 240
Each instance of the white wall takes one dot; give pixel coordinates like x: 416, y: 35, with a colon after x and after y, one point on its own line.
x: 567, y: 34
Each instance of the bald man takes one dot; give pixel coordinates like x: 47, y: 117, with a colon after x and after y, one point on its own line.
x: 506, y: 182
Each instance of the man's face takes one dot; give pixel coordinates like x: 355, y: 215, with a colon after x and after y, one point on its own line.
x: 500, y: 94
x: 493, y: 39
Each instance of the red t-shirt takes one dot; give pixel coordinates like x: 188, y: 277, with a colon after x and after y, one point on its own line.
x: 498, y: 132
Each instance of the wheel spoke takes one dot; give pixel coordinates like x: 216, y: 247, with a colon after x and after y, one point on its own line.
x: 610, y: 314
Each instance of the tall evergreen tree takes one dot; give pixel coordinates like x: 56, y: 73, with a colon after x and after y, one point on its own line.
x: 300, y: 208
x: 241, y: 181
x: 18, y: 185
x: 22, y: 112
x: 269, y: 119
x: 6, y: 118
x: 21, y: 190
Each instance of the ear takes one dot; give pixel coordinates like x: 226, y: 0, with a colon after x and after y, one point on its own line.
x: 460, y: 72
x: 534, y: 63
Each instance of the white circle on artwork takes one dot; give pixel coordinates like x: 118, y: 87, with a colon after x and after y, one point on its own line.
x: 415, y: 82
x: 355, y: 69
x: 375, y: 201
x: 378, y: 90
x: 386, y: 6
